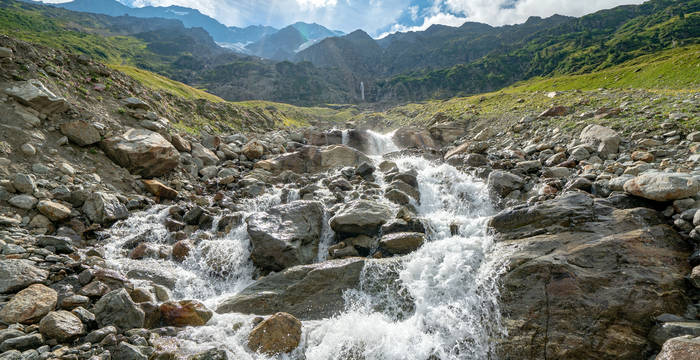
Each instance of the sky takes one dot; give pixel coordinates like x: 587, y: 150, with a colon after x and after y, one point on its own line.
x: 380, y: 17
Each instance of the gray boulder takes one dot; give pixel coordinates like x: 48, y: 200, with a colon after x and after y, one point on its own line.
x: 662, y: 332
x: 35, y: 95
x: 313, y: 159
x: 502, y: 182
x: 104, y: 208
x: 663, y: 186
x: 605, y: 140
x: 286, y: 235
x: 61, y: 325
x: 116, y: 308
x: 81, y: 132
x: 361, y: 217
x: 143, y: 152
x: 17, y: 274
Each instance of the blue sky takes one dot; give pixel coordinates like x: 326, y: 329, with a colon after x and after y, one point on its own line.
x: 379, y: 17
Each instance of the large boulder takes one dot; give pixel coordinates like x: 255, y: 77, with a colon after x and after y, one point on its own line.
x: 184, y: 313
x: 278, y: 334
x: 16, y: 274
x: 203, y: 155
x: 286, y: 235
x: 143, y: 152
x: 585, y: 280
x: 659, y: 186
x: 104, y: 208
x: 118, y: 309
x: 402, y: 243
x: 81, y: 132
x: 605, y: 140
x: 29, y: 305
x: 502, y: 182
x: 35, y: 95
x: 313, y: 159
x: 61, y: 325
x: 305, y: 291
x: 53, y: 210
x: 412, y: 138
x: 680, y: 348
x: 361, y: 217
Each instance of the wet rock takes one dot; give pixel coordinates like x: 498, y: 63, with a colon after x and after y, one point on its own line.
x: 397, y: 197
x: 566, y: 264
x: 53, y: 210
x: 16, y: 274
x: 81, y: 132
x: 663, y: 186
x: 34, y: 94
x: 21, y: 343
x: 159, y: 189
x: 278, y: 334
x: 361, y: 217
x: 61, y: 325
x: 143, y: 152
x: 662, y: 332
x: 116, y: 308
x: 605, y: 140
x: 211, y: 354
x: 412, y: 138
x: 286, y: 235
x: 402, y: 243
x: 680, y: 348
x: 185, y: 313
x: 181, y: 250
x: 502, y: 183
x: 126, y: 351
x: 104, y: 208
x: 312, y: 159
x: 307, y: 291
x: 29, y: 305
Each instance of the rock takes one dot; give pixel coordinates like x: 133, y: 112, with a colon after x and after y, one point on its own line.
x: 143, y: 152
x: 397, y: 197
x: 665, y: 331
x: 22, y: 343
x: 554, y: 111
x: 502, y: 183
x: 680, y: 348
x: 402, y: 243
x: 663, y: 186
x: 180, y: 143
x: 211, y: 354
x: 61, y: 325
x: 126, y: 351
x: 24, y: 183
x: 116, y: 308
x: 566, y: 287
x: 694, y: 136
x: 306, y: 291
x: 361, y: 217
x: 604, y: 139
x: 556, y: 172
x: 28, y: 149
x: 135, y: 103
x: 695, y: 277
x: 446, y: 133
x: 81, y: 132
x: 53, y: 210
x: 411, y: 138
x: 61, y: 244
x: 103, y: 208
x: 313, y: 159
x: 5, y: 52
x: 25, y: 202
x: 253, y: 150
x: 278, y: 334
x: 286, y: 235
x: 35, y: 95
x: 181, y: 250
x: 204, y: 155
x: 29, y: 305
x: 159, y: 189
x: 184, y: 313
x: 17, y: 274
x: 643, y: 156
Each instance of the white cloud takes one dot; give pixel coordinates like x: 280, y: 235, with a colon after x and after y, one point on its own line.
x: 439, y: 18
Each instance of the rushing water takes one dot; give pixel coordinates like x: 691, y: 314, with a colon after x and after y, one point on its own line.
x: 440, y: 302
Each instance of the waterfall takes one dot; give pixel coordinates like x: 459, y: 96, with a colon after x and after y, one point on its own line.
x: 439, y: 302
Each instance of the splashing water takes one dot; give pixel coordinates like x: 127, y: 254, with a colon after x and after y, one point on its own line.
x: 439, y: 302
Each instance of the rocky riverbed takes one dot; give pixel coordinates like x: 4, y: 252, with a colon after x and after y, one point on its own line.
x: 125, y: 238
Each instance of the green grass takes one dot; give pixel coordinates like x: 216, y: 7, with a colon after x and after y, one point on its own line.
x: 157, y: 82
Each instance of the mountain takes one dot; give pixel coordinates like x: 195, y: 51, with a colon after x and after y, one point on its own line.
x: 191, y: 18
x: 285, y: 43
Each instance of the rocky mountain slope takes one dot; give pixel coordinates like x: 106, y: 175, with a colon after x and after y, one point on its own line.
x: 138, y: 224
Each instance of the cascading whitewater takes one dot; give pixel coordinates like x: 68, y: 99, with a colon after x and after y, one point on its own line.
x: 440, y: 302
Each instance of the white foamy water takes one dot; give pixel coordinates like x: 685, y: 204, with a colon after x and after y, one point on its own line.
x: 440, y: 302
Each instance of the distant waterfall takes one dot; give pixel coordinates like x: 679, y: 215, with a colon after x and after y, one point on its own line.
x: 362, y: 90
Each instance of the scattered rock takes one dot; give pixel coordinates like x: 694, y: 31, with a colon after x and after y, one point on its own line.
x: 184, y: 313
x: 16, y: 274
x: 402, y: 243
x: 143, y: 152
x: 29, y: 305
x: 160, y: 190
x: 81, y: 132
x: 361, y: 217
x: 278, y: 334
x: 53, y: 210
x: 104, y: 208
x: 116, y: 308
x: 34, y: 94
x: 663, y: 186
x: 61, y: 325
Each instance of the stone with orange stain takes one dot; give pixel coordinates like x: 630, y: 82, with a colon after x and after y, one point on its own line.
x: 184, y: 313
